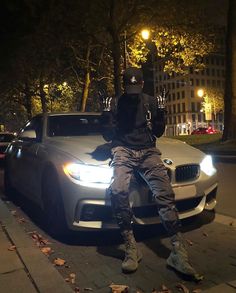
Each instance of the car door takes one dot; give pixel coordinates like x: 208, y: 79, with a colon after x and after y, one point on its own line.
x: 27, y: 167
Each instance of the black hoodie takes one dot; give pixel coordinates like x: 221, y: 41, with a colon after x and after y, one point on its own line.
x: 126, y: 124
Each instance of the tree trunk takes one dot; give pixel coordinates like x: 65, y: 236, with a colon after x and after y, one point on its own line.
x: 28, y: 101
x: 85, y: 91
x: 87, y: 80
x: 116, y: 53
x: 116, y: 50
x: 230, y: 87
x: 42, y: 95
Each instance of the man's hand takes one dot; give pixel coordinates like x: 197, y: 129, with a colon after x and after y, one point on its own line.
x: 105, y: 101
x: 161, y: 100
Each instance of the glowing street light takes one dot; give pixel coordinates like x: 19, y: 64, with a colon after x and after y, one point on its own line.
x: 200, y: 93
x: 145, y: 33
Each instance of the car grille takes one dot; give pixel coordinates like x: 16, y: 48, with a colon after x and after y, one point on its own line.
x: 187, y: 172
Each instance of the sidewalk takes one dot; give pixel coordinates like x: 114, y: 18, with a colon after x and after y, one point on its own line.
x: 21, y: 267
x: 24, y: 269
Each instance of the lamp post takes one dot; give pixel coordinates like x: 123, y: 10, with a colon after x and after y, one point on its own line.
x: 207, y: 105
x: 125, y: 49
x: 149, y: 66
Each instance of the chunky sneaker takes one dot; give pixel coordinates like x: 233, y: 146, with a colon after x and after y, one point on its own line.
x: 132, y: 255
x: 178, y: 260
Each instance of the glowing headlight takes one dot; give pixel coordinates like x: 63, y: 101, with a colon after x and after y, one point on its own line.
x: 207, y: 166
x: 89, y: 175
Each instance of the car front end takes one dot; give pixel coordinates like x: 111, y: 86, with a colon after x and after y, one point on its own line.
x: 85, y: 182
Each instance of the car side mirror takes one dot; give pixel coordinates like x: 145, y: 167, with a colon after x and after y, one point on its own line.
x: 28, y: 135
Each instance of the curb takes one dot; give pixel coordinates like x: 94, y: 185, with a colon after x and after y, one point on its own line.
x: 41, y: 272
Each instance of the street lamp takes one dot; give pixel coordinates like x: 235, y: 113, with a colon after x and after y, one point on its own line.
x: 145, y: 33
x: 207, y: 105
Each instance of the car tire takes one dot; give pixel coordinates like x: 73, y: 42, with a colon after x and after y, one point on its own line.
x: 8, y: 188
x: 55, y: 219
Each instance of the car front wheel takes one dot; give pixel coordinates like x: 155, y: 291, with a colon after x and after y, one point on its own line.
x: 53, y: 205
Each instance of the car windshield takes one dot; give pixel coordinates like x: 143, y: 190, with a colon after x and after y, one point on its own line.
x: 6, y: 137
x: 74, y: 125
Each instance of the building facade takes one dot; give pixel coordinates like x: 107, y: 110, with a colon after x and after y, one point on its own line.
x: 184, y: 106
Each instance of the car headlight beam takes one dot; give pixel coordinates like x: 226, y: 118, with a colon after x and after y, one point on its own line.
x: 89, y: 175
x: 207, y: 166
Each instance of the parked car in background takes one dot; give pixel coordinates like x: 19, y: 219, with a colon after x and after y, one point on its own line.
x: 5, y: 139
x: 61, y: 162
x: 204, y: 130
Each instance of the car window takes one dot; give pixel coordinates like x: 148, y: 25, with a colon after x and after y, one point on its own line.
x: 35, y: 124
x: 74, y: 125
x: 6, y: 137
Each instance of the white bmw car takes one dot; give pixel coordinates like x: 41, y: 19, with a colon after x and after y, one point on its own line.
x: 61, y: 162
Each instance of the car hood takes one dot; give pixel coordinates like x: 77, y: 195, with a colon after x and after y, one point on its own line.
x: 95, y: 150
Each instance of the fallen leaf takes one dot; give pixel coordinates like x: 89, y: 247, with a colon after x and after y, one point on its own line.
x: 21, y: 220
x: 72, y: 278
x: 13, y: 213
x: 164, y: 289
x: 231, y: 223
x: 182, y: 288
x: 88, y: 289
x: 39, y: 239
x: 76, y: 290
x: 59, y: 261
x: 190, y: 243
x: 46, y: 250
x: 197, y: 291
x: 12, y: 248
x: 205, y: 234
x: 119, y: 288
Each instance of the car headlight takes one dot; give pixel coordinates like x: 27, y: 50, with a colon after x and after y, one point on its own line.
x: 207, y: 166
x: 89, y: 175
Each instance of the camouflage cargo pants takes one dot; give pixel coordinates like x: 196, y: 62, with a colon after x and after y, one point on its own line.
x: 148, y: 164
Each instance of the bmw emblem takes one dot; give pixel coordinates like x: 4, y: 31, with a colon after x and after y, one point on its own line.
x: 168, y: 161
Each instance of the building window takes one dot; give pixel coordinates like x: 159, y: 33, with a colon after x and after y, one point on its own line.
x: 198, y: 107
x: 178, y: 95
x: 213, y: 72
x: 173, y: 96
x: 174, y: 119
x: 183, y: 107
x: 197, y: 82
x: 179, y: 119
x: 174, y: 108
x: 193, y: 106
x: 183, y: 94
x: 178, y: 107
x: 192, y: 94
x: 173, y: 85
x: 184, y: 118
x: 203, y: 82
x: 199, y: 118
x: 207, y: 71
x: 193, y: 117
